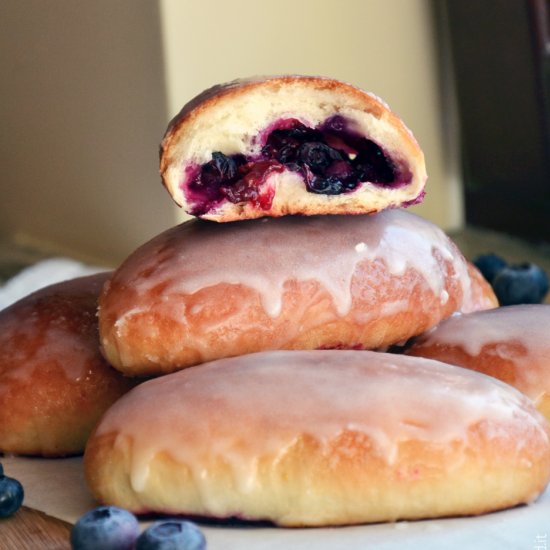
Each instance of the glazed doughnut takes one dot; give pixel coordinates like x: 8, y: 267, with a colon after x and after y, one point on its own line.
x: 482, y: 295
x: 202, y: 291
x: 289, y: 145
x: 54, y: 383
x: 511, y: 343
x: 312, y: 438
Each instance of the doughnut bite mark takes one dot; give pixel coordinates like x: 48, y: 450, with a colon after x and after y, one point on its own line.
x: 203, y: 291
x: 511, y: 343
x: 54, y: 382
x: 282, y: 145
x: 317, y: 438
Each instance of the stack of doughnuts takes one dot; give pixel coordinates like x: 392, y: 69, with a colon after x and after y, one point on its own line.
x: 329, y: 276
x: 263, y: 318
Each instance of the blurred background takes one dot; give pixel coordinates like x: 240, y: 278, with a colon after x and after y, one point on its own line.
x: 88, y: 88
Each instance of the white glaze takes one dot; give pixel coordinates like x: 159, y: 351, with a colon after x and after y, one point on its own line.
x: 265, y: 254
x: 56, y: 328
x: 526, y: 325
x: 238, y: 410
x: 58, y: 348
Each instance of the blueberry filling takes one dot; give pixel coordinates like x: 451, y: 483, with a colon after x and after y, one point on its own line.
x: 332, y: 159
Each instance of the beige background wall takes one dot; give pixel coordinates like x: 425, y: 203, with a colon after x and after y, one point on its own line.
x: 91, y: 85
x: 82, y: 113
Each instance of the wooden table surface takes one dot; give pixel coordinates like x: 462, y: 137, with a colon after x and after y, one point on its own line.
x: 28, y: 529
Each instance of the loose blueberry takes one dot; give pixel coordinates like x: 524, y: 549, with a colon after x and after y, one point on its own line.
x: 171, y: 535
x: 105, y: 527
x: 489, y: 265
x: 11, y: 496
x: 520, y: 284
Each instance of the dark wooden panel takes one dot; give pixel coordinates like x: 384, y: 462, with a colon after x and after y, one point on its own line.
x: 502, y: 97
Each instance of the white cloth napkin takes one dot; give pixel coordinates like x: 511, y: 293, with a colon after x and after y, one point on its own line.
x: 41, y: 274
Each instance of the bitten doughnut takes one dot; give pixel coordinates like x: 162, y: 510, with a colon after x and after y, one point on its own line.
x: 202, y: 291
x: 54, y: 382
x: 310, y: 438
x: 289, y: 145
x: 511, y: 343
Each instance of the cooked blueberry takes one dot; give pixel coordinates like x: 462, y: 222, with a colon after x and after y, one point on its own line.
x: 326, y: 186
x: 209, y: 178
x: 303, y: 133
x: 294, y: 167
x: 279, y: 140
x: 242, y: 191
x: 340, y: 169
x: 283, y: 144
x: 332, y: 158
x: 1, y: 470
x: 171, y: 535
x: 105, y: 527
x: 370, y: 172
x: 489, y: 265
x: 11, y: 496
x: 225, y: 165
x: 317, y: 156
x: 520, y: 284
x: 220, y: 169
x: 335, y: 123
x: 287, y: 154
x: 372, y: 165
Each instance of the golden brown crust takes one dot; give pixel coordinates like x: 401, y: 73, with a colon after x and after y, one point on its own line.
x: 488, y: 362
x: 416, y: 486
x: 480, y: 463
x: 177, y: 344
x: 508, y: 343
x: 195, y: 124
x: 54, y: 383
x: 482, y: 293
x: 149, y: 324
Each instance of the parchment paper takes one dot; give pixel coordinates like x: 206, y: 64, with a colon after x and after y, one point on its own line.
x: 57, y: 488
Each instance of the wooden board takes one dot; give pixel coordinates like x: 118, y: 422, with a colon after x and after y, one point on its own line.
x: 32, y: 530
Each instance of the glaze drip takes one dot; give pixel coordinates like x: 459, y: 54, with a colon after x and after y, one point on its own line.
x: 266, y: 254
x: 515, y: 333
x: 222, y: 411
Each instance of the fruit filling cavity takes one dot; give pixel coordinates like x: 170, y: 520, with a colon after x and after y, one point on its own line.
x: 331, y: 158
